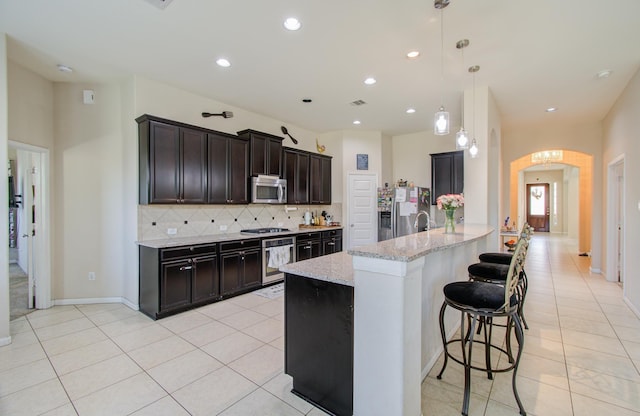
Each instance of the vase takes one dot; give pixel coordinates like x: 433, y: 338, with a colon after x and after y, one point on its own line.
x: 449, y: 221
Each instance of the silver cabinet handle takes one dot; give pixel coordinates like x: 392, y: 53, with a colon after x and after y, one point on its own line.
x: 186, y: 268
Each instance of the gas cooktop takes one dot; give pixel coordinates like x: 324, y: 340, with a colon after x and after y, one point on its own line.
x: 264, y: 230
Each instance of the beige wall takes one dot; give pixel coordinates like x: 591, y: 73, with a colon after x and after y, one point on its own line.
x: 411, y: 156
x: 621, y: 127
x: 5, y: 337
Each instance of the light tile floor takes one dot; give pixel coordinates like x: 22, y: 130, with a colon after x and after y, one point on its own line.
x: 581, y: 356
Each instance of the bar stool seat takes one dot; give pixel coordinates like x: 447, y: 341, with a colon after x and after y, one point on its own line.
x: 497, y: 258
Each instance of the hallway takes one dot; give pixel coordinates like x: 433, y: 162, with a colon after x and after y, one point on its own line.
x: 581, y: 356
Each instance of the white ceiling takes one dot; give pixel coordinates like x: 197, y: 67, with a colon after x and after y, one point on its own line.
x: 533, y: 54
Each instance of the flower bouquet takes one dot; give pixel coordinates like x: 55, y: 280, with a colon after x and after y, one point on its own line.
x: 449, y: 203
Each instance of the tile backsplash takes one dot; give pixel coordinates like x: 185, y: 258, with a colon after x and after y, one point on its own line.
x: 154, y: 221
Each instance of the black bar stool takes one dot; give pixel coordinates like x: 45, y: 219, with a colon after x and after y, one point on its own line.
x: 493, y: 268
x: 481, y: 301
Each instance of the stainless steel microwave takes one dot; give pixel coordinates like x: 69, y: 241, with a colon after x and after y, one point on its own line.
x: 268, y: 190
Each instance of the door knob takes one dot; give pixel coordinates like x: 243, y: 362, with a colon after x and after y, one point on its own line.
x: 25, y: 235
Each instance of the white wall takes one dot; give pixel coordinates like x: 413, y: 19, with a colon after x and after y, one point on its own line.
x: 621, y: 137
x: 572, y: 214
x: 5, y: 337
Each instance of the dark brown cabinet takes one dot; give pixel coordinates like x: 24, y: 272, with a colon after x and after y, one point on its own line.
x: 240, y: 266
x: 331, y: 242
x: 173, y: 163
x: 296, y: 172
x: 228, y: 169
x: 308, y: 245
x: 265, y: 153
x: 447, y: 174
x: 176, y: 279
x: 320, y: 179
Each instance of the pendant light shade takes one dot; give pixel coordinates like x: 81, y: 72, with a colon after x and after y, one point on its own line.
x: 441, y: 122
x: 462, y: 139
x: 473, y: 150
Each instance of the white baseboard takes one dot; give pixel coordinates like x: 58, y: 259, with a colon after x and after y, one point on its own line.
x: 90, y: 301
x: 5, y: 341
x: 595, y: 270
x: 631, y: 306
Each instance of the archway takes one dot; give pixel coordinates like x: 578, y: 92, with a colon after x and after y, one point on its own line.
x: 580, y: 160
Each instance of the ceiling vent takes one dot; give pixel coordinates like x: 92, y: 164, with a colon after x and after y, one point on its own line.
x: 358, y: 102
x: 160, y: 4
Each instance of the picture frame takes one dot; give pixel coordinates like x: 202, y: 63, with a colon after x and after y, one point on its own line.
x: 362, y: 161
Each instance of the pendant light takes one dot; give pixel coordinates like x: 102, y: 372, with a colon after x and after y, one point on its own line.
x: 473, y: 150
x: 441, y: 119
x: 462, y: 138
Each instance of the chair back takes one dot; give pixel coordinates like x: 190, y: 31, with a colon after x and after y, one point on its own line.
x: 515, y: 268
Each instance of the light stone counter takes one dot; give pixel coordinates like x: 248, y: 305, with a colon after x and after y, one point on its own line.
x: 335, y: 268
x: 411, y: 247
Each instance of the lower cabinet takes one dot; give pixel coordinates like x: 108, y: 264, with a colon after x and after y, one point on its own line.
x: 308, y: 245
x: 240, y: 266
x: 331, y: 242
x: 319, y: 342
x: 175, y: 279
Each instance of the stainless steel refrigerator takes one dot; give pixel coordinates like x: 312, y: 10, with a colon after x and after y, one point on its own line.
x: 398, y: 208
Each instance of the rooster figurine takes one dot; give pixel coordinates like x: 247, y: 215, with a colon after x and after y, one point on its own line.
x: 321, y: 148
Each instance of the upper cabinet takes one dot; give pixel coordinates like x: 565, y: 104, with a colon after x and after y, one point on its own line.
x: 265, y: 153
x: 173, y: 163
x: 296, y: 172
x: 320, y: 179
x: 447, y: 174
x: 228, y: 169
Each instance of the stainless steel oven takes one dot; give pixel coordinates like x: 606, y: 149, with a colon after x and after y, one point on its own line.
x: 276, y: 252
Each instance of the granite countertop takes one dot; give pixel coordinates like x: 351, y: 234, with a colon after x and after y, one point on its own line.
x: 413, y: 246
x: 338, y: 267
x: 217, y: 238
x: 335, y: 268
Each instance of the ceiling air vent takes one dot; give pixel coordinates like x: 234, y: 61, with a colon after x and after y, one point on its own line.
x: 358, y: 102
x: 160, y: 4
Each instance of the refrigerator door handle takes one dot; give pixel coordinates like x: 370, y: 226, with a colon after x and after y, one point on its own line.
x: 393, y: 218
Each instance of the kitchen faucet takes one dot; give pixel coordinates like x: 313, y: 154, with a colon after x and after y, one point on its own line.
x: 415, y: 224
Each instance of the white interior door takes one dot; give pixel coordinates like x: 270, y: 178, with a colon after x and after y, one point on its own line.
x: 619, y: 222
x: 362, y: 219
x: 26, y: 230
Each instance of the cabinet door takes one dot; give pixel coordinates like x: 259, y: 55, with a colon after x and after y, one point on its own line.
x: 259, y: 155
x: 252, y: 273
x: 274, y: 158
x: 238, y: 188
x: 193, y: 178
x: 296, y: 172
x: 458, y: 173
x: 175, y: 284
x: 230, y: 272
x: 334, y: 245
x: 164, y: 163
x: 447, y: 174
x: 205, y: 283
x: 308, y: 249
x: 319, y: 179
x: 218, y: 176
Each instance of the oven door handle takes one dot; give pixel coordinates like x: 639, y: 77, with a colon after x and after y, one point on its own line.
x: 287, y: 246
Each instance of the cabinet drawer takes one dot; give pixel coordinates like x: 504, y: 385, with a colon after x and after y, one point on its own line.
x: 187, y: 251
x: 331, y: 233
x: 239, y: 245
x: 307, y: 236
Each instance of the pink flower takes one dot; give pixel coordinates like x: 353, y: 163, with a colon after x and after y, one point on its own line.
x: 450, y: 201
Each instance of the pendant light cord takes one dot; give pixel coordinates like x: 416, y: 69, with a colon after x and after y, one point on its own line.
x: 442, y: 57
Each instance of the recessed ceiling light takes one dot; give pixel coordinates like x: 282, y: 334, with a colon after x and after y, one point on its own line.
x: 292, y: 24
x: 605, y: 73
x: 370, y: 81
x: 356, y: 122
x: 64, y: 68
x: 223, y: 62
x: 411, y: 110
x: 551, y: 109
x: 413, y: 54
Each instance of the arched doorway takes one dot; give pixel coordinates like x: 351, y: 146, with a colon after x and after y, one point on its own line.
x: 584, y: 162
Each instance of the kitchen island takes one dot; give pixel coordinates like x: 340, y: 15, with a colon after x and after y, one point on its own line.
x: 386, y: 298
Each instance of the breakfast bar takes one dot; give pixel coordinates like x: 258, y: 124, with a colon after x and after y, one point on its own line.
x: 370, y: 317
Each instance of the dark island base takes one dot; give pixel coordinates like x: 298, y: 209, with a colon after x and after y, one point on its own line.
x: 319, y: 342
